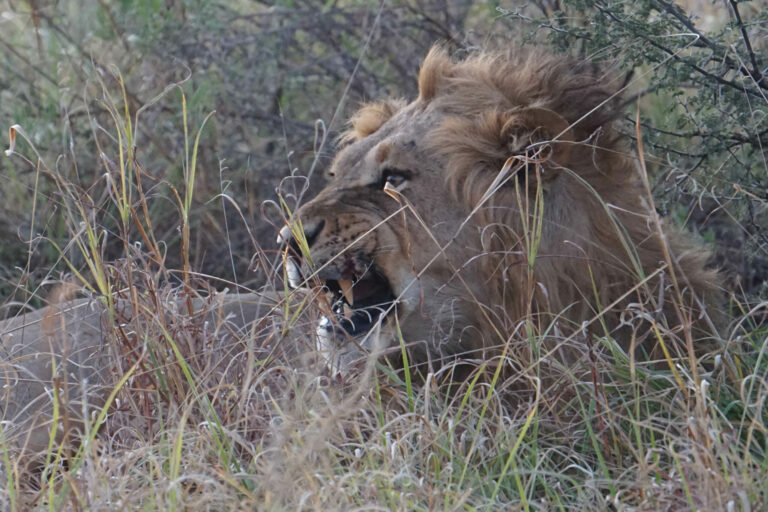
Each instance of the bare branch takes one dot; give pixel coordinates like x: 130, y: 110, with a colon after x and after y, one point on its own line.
x: 755, y: 73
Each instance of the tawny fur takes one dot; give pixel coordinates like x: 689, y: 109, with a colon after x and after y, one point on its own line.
x: 369, y: 118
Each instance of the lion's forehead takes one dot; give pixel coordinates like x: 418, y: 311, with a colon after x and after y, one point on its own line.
x: 405, y: 135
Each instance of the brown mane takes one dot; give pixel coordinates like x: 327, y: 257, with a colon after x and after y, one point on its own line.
x: 514, y: 104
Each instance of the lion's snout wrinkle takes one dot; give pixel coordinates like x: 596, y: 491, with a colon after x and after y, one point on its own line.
x: 310, y: 231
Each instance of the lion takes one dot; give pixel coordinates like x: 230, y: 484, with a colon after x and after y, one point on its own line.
x: 66, y: 360
x: 501, y: 196
x: 499, y: 202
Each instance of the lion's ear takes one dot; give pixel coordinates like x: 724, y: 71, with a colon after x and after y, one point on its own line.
x: 485, y: 142
x: 369, y: 118
x: 538, y: 134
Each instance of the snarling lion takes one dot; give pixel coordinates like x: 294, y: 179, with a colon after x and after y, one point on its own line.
x: 498, y: 204
x: 500, y: 197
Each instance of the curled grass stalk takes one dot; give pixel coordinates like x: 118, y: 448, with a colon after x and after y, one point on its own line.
x: 124, y: 132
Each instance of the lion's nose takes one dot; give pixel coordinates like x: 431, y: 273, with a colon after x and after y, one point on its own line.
x: 287, y: 238
x: 311, y: 231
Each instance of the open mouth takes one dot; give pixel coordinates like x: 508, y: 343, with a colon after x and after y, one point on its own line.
x: 359, y: 304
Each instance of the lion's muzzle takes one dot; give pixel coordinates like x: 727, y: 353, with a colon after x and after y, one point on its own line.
x: 359, y: 295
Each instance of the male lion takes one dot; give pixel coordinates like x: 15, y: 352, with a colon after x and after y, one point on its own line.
x: 499, y: 198
x: 501, y: 194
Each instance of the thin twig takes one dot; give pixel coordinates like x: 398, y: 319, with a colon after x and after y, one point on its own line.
x: 756, y: 74
x: 675, y: 11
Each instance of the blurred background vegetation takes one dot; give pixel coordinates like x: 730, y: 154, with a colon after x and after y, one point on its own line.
x: 283, y: 76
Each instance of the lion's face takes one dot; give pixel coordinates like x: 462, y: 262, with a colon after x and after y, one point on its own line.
x: 386, y: 239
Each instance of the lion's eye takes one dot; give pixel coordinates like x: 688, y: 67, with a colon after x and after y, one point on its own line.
x: 394, y: 178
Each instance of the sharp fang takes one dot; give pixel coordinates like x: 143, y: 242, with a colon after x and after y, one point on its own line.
x: 293, y: 273
x: 324, y: 337
x: 346, y: 289
x: 284, y: 236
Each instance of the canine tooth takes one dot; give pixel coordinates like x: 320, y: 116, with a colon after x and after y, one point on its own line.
x: 284, y: 235
x: 323, y: 331
x: 292, y: 271
x: 346, y: 289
